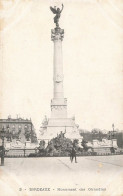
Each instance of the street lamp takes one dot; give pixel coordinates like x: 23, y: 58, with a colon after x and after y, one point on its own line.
x: 113, y: 129
x: 2, y: 135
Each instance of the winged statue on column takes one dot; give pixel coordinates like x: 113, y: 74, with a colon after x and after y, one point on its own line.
x: 56, y: 11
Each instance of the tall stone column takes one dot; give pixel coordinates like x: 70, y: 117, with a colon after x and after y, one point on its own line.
x: 58, y: 122
x: 58, y: 103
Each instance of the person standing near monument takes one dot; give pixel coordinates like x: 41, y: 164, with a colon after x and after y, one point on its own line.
x: 73, y: 154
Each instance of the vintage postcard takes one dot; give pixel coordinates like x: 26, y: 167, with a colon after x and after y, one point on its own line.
x: 61, y: 97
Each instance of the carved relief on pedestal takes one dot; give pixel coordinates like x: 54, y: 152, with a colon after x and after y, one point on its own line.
x: 58, y: 107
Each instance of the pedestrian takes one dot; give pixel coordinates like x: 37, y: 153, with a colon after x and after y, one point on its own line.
x: 73, y: 154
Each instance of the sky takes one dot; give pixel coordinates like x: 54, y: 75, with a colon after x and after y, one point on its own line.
x: 92, y: 60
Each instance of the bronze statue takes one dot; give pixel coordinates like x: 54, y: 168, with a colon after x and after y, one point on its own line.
x: 56, y: 11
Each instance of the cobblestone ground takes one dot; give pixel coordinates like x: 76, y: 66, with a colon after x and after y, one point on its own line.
x: 62, y: 177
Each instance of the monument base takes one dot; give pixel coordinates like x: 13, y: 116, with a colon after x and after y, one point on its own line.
x: 52, y: 127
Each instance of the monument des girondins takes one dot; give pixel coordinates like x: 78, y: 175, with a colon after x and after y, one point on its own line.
x: 59, y: 121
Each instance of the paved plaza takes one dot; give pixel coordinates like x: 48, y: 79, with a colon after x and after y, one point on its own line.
x: 92, y: 175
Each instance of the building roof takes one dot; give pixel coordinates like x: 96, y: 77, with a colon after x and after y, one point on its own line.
x: 15, y: 120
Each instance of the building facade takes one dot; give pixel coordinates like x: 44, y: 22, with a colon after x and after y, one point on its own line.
x: 18, y: 129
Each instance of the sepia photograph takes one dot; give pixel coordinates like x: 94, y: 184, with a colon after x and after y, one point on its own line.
x: 61, y: 97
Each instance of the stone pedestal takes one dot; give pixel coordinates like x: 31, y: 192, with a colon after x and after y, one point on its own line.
x: 114, y: 143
